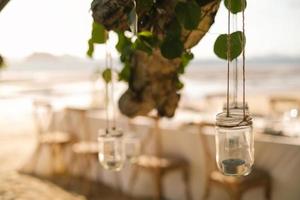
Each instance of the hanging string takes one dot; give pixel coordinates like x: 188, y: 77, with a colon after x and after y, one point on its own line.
x: 244, y: 62
x: 228, y: 56
x: 112, y: 92
x: 235, y: 71
x: 106, y: 90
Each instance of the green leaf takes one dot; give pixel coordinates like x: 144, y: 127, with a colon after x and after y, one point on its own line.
x: 106, y: 75
x: 124, y: 75
x: 171, y: 47
x: 174, y: 28
x: 123, y: 42
x: 235, y: 6
x: 185, y: 60
x: 2, y: 63
x: 179, y: 85
x: 142, y: 46
x: 90, y: 50
x: 144, y: 5
x: 99, y: 34
x: 149, y: 38
x: 188, y: 14
x: 132, y: 20
x: 236, y: 45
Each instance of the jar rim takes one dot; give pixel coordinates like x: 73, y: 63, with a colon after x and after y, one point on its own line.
x: 233, y: 120
x: 110, y: 132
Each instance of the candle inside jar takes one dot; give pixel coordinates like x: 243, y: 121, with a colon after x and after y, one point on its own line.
x: 234, y: 166
x: 114, y: 165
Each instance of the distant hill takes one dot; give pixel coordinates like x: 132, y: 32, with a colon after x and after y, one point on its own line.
x: 270, y: 60
x: 46, y: 61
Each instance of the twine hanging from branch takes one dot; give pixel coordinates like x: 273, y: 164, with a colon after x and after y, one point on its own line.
x: 106, y: 90
x: 244, y: 61
x: 228, y: 57
x: 109, y: 91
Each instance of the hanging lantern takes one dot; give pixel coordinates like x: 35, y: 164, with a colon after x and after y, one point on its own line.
x: 234, y: 144
x: 110, y: 141
x: 234, y: 134
x: 132, y: 147
x: 111, y: 153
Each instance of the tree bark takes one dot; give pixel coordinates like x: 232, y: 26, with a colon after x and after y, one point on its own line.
x: 154, y: 79
x: 3, y: 4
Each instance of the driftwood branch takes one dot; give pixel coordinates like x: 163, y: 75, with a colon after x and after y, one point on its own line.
x: 3, y: 4
x: 154, y: 79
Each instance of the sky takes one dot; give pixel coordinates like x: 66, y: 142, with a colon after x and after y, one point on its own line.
x: 63, y: 27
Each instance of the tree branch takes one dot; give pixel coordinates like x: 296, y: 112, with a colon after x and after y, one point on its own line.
x: 3, y: 4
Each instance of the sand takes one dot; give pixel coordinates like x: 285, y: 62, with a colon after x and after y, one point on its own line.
x: 17, y: 143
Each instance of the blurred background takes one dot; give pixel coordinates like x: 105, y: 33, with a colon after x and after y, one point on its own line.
x: 44, y: 45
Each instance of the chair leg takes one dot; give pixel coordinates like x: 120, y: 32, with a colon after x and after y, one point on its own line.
x: 59, y: 161
x: 207, y: 190
x: 133, y: 178
x: 268, y: 190
x: 158, y: 185
x: 87, y: 187
x: 235, y: 195
x: 186, y: 180
x: 30, y: 167
x: 53, y: 159
x: 119, y: 182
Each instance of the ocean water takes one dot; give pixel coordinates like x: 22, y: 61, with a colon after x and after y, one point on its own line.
x: 40, y: 73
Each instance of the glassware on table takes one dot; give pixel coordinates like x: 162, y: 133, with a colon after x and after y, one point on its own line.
x: 291, y: 123
x: 132, y: 146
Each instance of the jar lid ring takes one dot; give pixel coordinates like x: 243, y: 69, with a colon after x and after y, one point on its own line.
x: 233, y: 120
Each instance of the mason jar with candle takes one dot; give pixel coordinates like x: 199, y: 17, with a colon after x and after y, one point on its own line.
x: 234, y: 144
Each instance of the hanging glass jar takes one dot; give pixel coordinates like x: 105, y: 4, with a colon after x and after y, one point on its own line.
x: 111, y: 149
x: 234, y: 144
x: 132, y: 147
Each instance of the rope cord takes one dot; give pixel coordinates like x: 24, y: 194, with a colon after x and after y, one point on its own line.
x: 106, y: 91
x: 112, y: 88
x: 244, y: 62
x: 228, y: 57
x: 235, y: 71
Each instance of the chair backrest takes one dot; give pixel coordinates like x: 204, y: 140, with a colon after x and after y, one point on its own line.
x: 279, y: 105
x: 214, y: 102
x: 153, y: 135
x: 210, y: 163
x: 77, y: 123
x: 43, y: 115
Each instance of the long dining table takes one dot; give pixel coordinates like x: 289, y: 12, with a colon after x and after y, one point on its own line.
x: 279, y: 155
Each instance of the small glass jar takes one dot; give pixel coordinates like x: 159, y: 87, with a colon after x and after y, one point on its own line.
x: 234, y: 144
x: 132, y: 146
x: 111, y: 151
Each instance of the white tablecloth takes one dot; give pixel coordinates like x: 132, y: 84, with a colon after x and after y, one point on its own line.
x: 280, y: 159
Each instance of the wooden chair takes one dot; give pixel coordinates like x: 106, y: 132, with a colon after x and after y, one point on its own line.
x: 57, y: 141
x: 235, y: 186
x: 85, y: 149
x: 214, y: 102
x: 159, y: 166
x: 281, y: 104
